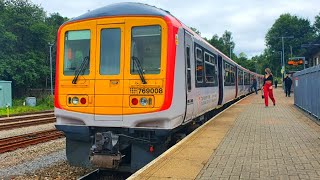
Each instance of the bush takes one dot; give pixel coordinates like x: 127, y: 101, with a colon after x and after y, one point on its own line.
x: 45, y: 103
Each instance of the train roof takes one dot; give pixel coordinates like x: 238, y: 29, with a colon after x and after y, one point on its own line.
x: 123, y: 9
x: 134, y: 9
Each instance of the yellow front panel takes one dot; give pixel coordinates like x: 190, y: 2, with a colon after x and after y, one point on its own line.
x: 109, y: 86
x: 83, y: 86
x: 108, y: 101
x: 111, y: 94
x: 85, y: 83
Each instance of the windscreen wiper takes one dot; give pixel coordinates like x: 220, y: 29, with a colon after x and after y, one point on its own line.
x: 136, y: 61
x: 84, y: 63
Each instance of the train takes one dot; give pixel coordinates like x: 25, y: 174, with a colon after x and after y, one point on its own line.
x: 130, y: 77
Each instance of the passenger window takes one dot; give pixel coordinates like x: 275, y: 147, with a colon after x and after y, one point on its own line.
x: 240, y: 77
x: 199, y: 65
x: 110, y: 51
x: 188, y: 68
x: 210, y: 70
x: 229, y: 76
x: 246, y: 78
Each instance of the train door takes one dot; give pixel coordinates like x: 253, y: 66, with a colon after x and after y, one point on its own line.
x: 236, y: 81
x: 221, y: 79
x: 188, y: 51
x: 109, y: 72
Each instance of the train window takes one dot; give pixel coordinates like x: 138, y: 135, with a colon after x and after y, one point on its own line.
x: 240, y: 77
x: 76, y: 52
x: 210, y: 70
x: 146, y: 47
x: 110, y: 51
x: 188, y: 68
x: 246, y: 78
x: 199, y: 65
x: 229, y: 75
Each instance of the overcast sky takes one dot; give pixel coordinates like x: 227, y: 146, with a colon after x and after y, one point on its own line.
x: 248, y: 20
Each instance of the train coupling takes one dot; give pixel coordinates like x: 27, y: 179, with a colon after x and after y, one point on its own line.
x: 105, y: 151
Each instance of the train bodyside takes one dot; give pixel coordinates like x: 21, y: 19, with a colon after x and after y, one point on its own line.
x: 165, y: 77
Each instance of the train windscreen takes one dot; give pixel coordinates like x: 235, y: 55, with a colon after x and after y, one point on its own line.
x: 76, y: 50
x: 146, y: 48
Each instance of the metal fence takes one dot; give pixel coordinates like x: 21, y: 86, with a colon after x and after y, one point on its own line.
x: 307, y: 90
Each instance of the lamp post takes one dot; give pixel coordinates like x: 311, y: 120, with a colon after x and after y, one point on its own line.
x: 282, y: 38
x: 281, y: 61
x: 282, y: 65
x: 230, y: 50
x: 51, y: 81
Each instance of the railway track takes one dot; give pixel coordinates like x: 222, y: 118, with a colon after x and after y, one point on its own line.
x: 15, y: 142
x: 26, y: 120
x: 100, y: 174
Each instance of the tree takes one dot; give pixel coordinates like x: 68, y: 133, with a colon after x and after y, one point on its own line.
x: 25, y: 31
x: 316, y: 25
x: 216, y: 42
x: 223, y: 43
x: 195, y: 30
x: 287, y: 25
x: 228, y: 42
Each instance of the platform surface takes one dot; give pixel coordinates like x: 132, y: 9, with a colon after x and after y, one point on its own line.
x: 247, y: 141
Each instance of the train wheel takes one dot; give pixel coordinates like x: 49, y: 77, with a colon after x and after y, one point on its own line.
x: 78, y: 152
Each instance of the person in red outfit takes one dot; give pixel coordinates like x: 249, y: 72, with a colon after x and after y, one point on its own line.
x: 267, y: 87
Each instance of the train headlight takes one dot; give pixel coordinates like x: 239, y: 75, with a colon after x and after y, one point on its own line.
x: 75, y: 100
x: 143, y: 101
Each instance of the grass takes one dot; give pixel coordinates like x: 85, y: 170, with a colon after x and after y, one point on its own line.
x: 45, y: 103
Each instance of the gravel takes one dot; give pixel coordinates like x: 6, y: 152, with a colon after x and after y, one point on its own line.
x: 26, y: 130
x: 58, y: 170
x: 41, y: 161
x: 30, y: 153
x: 31, y: 166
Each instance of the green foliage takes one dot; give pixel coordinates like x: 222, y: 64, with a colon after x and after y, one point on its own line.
x: 243, y: 61
x: 223, y: 43
x: 45, y: 103
x: 285, y: 26
x: 195, y: 30
x: 316, y: 25
x: 25, y: 32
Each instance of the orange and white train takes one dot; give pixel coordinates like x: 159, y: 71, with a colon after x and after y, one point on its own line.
x: 128, y: 77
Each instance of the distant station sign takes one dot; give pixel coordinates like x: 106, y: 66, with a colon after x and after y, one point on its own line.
x: 295, y: 61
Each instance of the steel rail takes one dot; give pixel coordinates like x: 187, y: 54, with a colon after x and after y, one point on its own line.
x: 27, y: 123
x: 26, y: 117
x: 15, y: 142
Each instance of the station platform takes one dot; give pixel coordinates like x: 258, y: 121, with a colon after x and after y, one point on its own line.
x: 246, y: 141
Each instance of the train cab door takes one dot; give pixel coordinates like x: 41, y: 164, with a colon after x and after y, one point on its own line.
x: 188, y: 54
x: 109, y: 72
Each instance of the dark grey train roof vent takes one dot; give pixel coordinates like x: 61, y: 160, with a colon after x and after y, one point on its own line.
x: 122, y: 9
